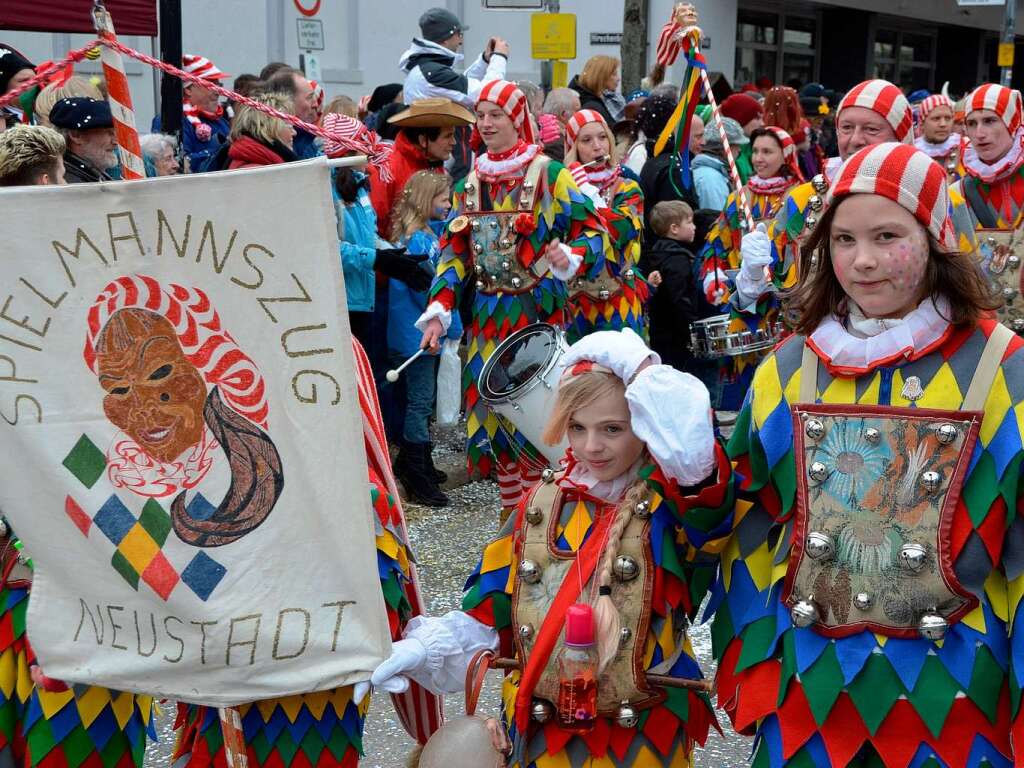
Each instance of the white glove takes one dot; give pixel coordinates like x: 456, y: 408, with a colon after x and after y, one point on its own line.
x: 755, y: 252
x: 671, y: 412
x: 407, y: 657
x: 622, y: 352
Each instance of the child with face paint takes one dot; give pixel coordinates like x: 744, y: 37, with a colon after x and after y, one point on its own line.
x: 873, y: 573
x: 616, y: 536
x: 422, y: 206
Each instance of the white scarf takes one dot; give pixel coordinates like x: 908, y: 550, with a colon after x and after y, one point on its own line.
x: 608, y: 490
x: 937, y: 150
x: 490, y: 170
x: 1002, y: 167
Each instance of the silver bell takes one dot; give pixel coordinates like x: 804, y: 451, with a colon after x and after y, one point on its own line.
x: 541, y: 711
x: 534, y: 515
x: 529, y: 571
x: 470, y: 189
x: 478, y: 268
x: 506, y: 265
x: 820, y: 546
x: 804, y: 613
x: 525, y: 632
x: 548, y: 475
x: 913, y: 557
x: 480, y: 285
x: 819, y: 184
x: 1009, y: 293
x: 625, y: 568
x: 478, y: 248
x: 947, y: 433
x: 625, y: 635
x: 818, y: 472
x: 872, y: 435
x: 932, y: 626
x: 475, y: 226
x: 643, y: 509
x: 815, y: 203
x: 603, y: 295
x: 863, y: 601
x: 931, y: 480
x: 1013, y: 262
x: 811, y: 221
x: 627, y: 716
x: 516, y: 282
x: 814, y: 429
x: 504, y: 243
x: 628, y: 274
x: 1018, y: 324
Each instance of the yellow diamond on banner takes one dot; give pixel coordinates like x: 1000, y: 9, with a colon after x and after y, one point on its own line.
x: 92, y: 703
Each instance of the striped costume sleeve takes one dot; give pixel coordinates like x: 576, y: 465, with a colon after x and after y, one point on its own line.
x: 392, y: 556
x: 566, y: 213
x: 488, y: 591
x: 722, y: 251
x: 456, y: 259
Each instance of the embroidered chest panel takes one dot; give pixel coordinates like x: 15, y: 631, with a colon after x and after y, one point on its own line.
x: 999, y: 254
x: 877, y: 490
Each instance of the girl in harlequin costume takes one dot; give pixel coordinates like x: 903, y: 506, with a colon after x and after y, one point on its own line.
x: 519, y: 228
x: 615, y: 300
x: 323, y: 728
x: 776, y: 171
x: 866, y: 612
x: 991, y: 192
x: 938, y: 140
x: 617, y: 529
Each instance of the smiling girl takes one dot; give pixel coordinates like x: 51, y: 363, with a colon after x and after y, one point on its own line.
x: 873, y: 576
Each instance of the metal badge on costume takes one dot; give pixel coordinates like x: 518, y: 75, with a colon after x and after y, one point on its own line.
x: 493, y: 238
x: 541, y: 571
x: 999, y: 255
x: 951, y: 163
x: 877, y: 489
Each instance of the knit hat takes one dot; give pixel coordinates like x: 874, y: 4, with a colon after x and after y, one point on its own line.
x: 1005, y: 102
x: 81, y: 113
x: 11, y: 63
x: 439, y: 24
x: 382, y: 96
x: 349, y: 135
x: 200, y: 66
x: 733, y: 132
x: 575, y: 125
x: 513, y: 103
x: 906, y: 176
x: 887, y: 100
x: 930, y: 103
x: 654, y: 115
x: 548, y: 128
x: 742, y: 108
x: 789, y: 158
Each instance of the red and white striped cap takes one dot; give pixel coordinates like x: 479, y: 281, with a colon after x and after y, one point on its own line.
x: 788, y: 150
x: 906, y: 176
x: 576, y: 123
x: 1005, y: 102
x: 886, y: 99
x: 513, y: 103
x: 200, y: 66
x: 930, y: 103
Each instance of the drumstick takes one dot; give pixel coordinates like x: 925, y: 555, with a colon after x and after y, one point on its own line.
x: 393, y: 374
x: 596, y: 161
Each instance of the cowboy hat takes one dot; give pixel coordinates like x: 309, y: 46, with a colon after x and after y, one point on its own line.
x: 433, y: 113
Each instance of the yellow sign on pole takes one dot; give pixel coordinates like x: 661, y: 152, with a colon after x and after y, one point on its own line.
x: 559, y: 74
x: 553, y: 35
x: 1005, y: 56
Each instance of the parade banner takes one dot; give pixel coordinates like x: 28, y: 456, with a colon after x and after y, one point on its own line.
x: 182, y: 445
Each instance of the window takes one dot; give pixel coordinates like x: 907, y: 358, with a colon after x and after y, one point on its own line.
x: 905, y: 58
x: 780, y: 45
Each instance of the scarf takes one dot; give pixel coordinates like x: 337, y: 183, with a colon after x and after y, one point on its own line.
x: 938, y: 150
x: 506, y: 165
x: 1001, y: 168
x: 604, y: 177
x: 200, y: 119
x: 773, y: 186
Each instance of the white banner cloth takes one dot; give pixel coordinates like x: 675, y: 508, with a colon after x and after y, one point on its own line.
x: 182, y: 446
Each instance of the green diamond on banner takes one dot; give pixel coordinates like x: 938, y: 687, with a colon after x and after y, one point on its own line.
x: 122, y: 566
x: 86, y: 462
x: 155, y: 520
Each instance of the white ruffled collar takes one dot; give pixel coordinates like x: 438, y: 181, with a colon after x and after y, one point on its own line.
x: 1002, y: 167
x: 937, y: 150
x: 859, y: 343
x: 608, y: 490
x: 512, y: 167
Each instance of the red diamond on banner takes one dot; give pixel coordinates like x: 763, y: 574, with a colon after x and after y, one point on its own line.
x: 78, y: 517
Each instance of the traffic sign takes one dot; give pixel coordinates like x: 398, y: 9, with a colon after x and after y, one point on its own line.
x: 553, y: 35
x: 311, y: 34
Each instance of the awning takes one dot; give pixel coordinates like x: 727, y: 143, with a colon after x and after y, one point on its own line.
x: 131, y: 17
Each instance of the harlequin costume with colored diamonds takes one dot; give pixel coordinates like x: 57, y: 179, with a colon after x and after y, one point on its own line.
x: 616, y: 299
x: 722, y: 252
x: 650, y: 521
x: 866, y: 610
x: 991, y: 202
x: 325, y: 728
x: 504, y: 214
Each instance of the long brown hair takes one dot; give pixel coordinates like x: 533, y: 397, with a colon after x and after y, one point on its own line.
x: 413, y: 208
x: 819, y: 294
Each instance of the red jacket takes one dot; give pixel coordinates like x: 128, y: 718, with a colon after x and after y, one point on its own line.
x: 405, y: 160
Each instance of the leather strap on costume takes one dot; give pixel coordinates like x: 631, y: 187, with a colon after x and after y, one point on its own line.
x: 527, y: 194
x: 475, y: 675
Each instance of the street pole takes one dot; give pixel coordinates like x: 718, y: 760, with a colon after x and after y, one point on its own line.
x: 1009, y: 37
x: 170, y: 52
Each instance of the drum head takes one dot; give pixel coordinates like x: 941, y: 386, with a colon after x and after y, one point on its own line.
x: 518, y: 363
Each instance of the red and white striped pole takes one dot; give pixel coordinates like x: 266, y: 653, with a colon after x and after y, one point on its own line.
x: 120, y: 98
x: 737, y: 183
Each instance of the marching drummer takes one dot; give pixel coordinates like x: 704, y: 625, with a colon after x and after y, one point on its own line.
x: 869, y: 595
x: 520, y: 227
x: 776, y: 172
x: 615, y: 298
x: 604, y: 549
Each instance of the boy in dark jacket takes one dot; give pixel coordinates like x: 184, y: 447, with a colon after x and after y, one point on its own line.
x: 674, y: 305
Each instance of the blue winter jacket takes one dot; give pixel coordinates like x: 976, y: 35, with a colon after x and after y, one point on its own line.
x: 405, y: 305
x: 711, y: 180
x: 359, y: 243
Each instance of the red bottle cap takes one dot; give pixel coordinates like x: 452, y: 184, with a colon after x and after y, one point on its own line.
x: 579, y: 625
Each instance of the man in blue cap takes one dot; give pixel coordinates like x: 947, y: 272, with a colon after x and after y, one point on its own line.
x: 88, y: 128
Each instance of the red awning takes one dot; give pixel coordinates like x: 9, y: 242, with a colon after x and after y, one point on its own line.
x: 131, y: 17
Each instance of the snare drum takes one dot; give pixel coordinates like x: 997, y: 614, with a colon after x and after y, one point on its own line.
x: 711, y: 338
x: 519, y: 381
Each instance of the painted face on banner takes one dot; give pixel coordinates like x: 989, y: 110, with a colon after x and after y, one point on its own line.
x: 153, y: 393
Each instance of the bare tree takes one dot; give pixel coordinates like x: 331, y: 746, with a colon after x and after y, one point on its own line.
x: 634, y: 44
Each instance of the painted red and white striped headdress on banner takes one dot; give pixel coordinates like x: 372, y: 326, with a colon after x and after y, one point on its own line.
x: 200, y: 66
x: 513, y: 103
x: 886, y: 99
x: 932, y: 102
x: 1005, y: 102
x: 906, y: 176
